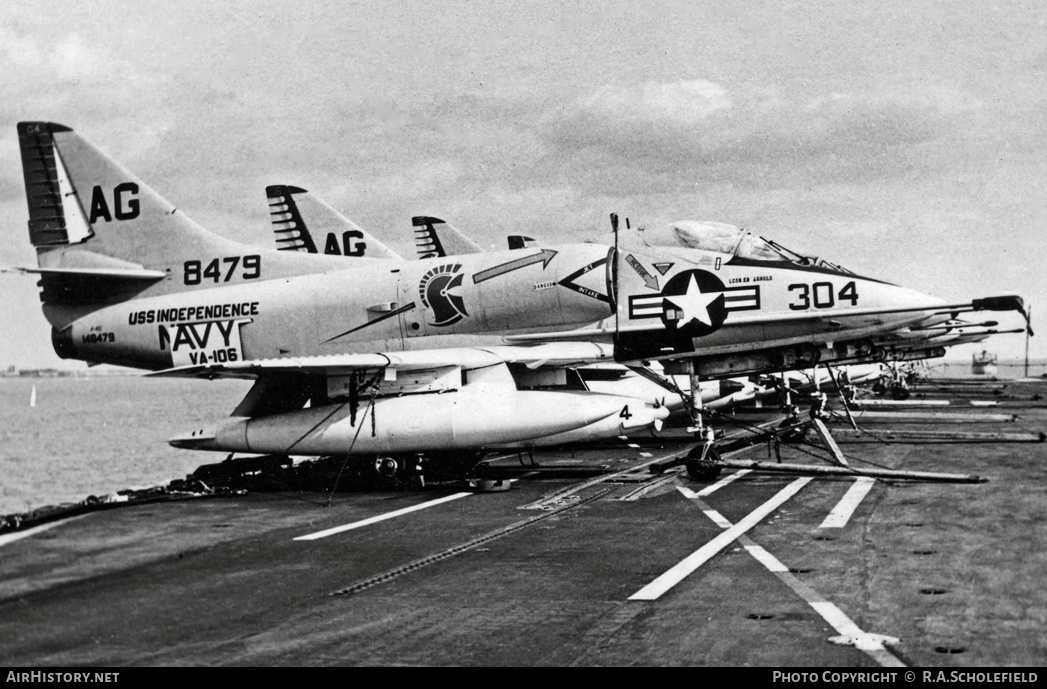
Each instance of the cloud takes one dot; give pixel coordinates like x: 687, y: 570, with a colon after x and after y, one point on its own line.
x: 659, y: 136
x: 684, y: 102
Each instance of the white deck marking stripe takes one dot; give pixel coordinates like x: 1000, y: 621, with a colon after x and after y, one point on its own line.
x: 841, y: 514
x: 676, y: 574
x: 709, y: 490
x: 871, y: 644
x: 19, y: 535
x: 691, y: 495
x: 766, y: 559
x: 380, y: 518
x: 718, y: 519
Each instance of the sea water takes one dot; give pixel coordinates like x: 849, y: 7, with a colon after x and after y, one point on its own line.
x: 97, y: 435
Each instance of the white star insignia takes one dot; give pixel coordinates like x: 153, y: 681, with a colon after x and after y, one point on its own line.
x: 694, y: 304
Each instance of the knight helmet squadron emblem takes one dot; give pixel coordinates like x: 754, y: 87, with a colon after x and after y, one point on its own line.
x: 441, y: 290
x: 693, y: 303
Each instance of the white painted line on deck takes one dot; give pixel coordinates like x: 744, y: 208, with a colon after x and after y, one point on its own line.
x: 709, y: 490
x: 873, y: 645
x: 19, y: 535
x: 852, y: 635
x: 766, y: 559
x: 380, y: 518
x: 720, y: 520
x: 676, y: 574
x: 841, y: 514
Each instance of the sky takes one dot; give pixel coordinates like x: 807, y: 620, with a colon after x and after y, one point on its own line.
x: 905, y: 141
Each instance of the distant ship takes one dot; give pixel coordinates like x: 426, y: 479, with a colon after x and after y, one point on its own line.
x: 983, y: 364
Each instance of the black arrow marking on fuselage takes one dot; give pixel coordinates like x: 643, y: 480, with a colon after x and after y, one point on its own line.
x: 568, y: 281
x: 648, y: 279
x: 381, y: 318
x: 543, y: 257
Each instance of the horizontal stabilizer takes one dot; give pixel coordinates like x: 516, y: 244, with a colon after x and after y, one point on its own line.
x: 72, y: 286
x: 116, y: 273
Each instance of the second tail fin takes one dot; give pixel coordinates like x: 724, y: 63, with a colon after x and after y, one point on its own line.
x: 302, y: 222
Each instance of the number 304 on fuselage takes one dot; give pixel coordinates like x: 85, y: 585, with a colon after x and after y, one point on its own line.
x: 698, y: 289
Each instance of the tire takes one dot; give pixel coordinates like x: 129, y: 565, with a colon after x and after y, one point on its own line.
x: 703, y: 469
x: 794, y: 436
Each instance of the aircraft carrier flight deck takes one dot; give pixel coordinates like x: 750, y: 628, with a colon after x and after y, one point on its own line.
x: 590, y: 558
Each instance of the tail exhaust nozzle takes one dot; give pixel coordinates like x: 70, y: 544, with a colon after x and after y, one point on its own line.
x: 62, y: 341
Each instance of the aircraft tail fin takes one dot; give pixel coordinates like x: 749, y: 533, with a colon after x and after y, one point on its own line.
x: 87, y: 211
x: 434, y: 238
x: 102, y: 236
x: 518, y: 241
x: 302, y: 222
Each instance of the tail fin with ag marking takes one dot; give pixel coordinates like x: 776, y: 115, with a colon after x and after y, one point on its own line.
x: 302, y: 222
x: 103, y: 236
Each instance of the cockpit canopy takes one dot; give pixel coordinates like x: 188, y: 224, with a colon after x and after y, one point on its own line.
x: 724, y: 238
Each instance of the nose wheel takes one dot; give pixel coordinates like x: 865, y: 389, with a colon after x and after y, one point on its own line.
x: 703, y: 463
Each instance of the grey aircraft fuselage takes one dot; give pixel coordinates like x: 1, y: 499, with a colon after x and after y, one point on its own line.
x: 367, y: 306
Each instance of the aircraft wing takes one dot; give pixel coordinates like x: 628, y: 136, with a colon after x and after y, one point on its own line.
x: 652, y: 340
x: 534, y: 356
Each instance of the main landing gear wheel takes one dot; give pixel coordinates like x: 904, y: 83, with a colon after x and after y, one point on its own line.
x: 794, y: 436
x: 701, y: 469
x: 399, y: 472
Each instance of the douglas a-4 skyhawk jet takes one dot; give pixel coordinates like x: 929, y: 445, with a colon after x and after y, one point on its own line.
x: 388, y: 358
x: 302, y: 222
x: 296, y: 216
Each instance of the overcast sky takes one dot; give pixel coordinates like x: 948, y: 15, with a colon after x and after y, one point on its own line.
x: 907, y: 144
